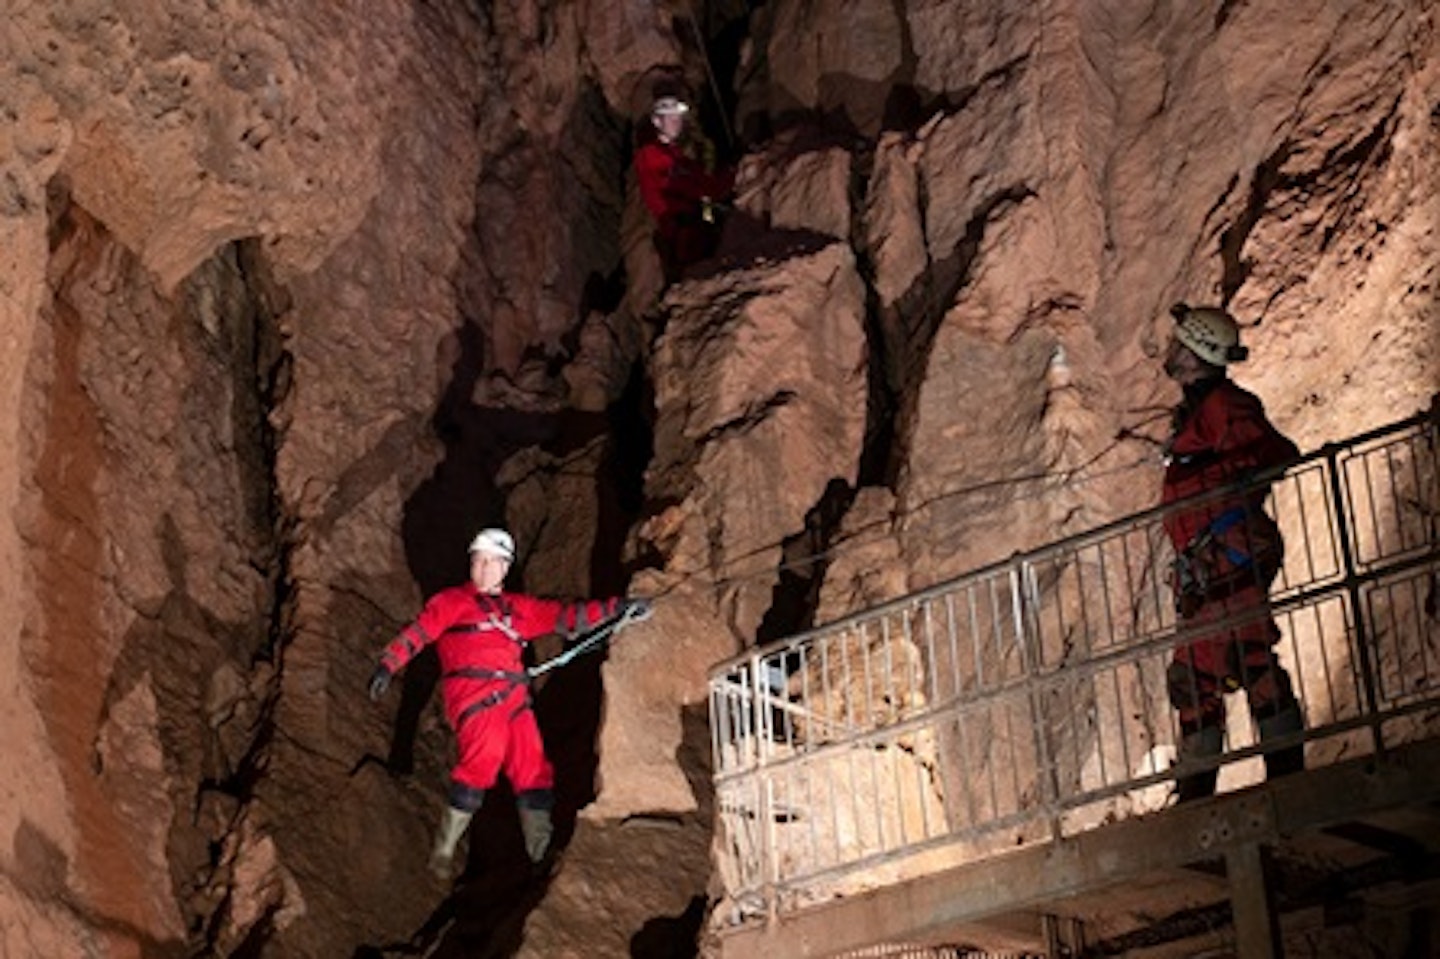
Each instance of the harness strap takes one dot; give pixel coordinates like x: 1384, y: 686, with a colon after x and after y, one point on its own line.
x: 480, y: 672
x: 1219, y: 526
x: 488, y: 701
x: 493, y: 698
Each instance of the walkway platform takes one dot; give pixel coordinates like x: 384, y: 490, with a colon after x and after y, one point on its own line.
x: 987, y: 764
x: 1217, y: 877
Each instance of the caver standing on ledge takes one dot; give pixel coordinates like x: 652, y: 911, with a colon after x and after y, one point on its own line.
x: 679, y: 190
x: 1228, y: 552
x: 479, y: 632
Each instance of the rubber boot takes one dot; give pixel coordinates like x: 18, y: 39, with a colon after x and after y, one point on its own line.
x: 1290, y: 759
x: 453, y: 823
x: 536, y: 826
x: 1205, y: 743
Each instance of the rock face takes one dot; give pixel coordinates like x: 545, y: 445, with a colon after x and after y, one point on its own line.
x: 294, y: 300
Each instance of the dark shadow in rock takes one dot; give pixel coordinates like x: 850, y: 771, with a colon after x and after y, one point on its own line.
x: 195, y: 666
x: 670, y: 937
x: 39, y: 868
x: 747, y: 241
x: 484, y: 914
x: 439, y: 519
x: 39, y: 864
x: 694, y: 758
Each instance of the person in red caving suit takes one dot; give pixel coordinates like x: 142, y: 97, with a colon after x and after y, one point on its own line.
x: 679, y: 190
x: 479, y: 632
x: 1228, y: 552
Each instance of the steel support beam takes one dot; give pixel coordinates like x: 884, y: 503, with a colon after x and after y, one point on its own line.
x: 929, y: 906
x: 1252, y: 909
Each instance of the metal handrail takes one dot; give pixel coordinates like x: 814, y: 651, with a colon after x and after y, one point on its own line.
x: 884, y: 704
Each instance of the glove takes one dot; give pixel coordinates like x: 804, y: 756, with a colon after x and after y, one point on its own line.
x: 1188, y: 580
x: 379, y: 683
x: 637, y: 610
x: 1188, y: 604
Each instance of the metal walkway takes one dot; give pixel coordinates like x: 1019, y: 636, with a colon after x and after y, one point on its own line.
x: 974, y: 763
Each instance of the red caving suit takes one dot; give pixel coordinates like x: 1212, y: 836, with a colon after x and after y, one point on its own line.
x: 480, y: 638
x: 674, y: 187
x: 1221, y: 436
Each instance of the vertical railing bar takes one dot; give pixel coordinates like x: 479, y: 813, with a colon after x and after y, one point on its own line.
x: 932, y: 668
x: 887, y: 640
x: 922, y: 793
x: 1416, y: 604
x: 876, y: 806
x: 1352, y: 587
x: 1395, y: 498
x: 765, y: 795
x: 765, y: 718
x: 812, y: 827
x: 853, y: 796
x: 1310, y: 575
x: 1382, y: 547
x: 1332, y: 510
x: 1292, y: 632
x: 1127, y: 566
x: 1123, y: 713
x: 871, y: 711
x: 1021, y: 573
x: 1331, y: 694
x: 718, y: 725
x: 827, y: 691
x: 869, y: 719
x: 1387, y: 593
x: 781, y: 675
x: 1109, y: 624
x: 1079, y: 567
x: 952, y: 628
x: 911, y: 650
x: 804, y: 744
x: 1087, y: 638
x: 1377, y: 546
x: 1098, y: 725
x: 984, y: 763
x: 997, y: 629
x: 848, y: 696
x: 975, y: 637
x: 833, y: 805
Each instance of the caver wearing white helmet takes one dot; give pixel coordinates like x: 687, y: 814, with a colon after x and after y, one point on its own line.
x: 667, y: 115
x: 1228, y: 551
x: 479, y: 631
x: 1210, y: 333
x: 495, y: 542
x: 669, y: 106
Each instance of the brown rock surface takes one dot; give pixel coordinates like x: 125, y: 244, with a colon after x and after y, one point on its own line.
x: 291, y: 300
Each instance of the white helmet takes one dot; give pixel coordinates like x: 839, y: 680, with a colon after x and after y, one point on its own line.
x: 1209, y: 332
x: 669, y: 106
x: 494, y: 542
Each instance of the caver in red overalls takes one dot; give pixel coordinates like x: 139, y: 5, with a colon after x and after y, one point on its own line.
x: 1228, y: 553
x: 676, y: 187
x: 479, y: 632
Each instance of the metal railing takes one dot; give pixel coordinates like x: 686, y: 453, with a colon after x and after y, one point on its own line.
x: 1027, y: 701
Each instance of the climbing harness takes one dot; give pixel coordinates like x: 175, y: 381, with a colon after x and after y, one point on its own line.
x: 591, y: 640
x: 1199, y: 573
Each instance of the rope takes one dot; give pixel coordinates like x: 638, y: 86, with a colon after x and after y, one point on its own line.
x: 1046, y: 482
x: 592, y: 639
x: 710, y: 75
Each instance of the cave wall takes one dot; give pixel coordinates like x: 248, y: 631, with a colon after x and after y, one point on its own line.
x: 294, y: 300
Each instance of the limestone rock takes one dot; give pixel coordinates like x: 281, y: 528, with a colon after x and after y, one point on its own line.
x: 292, y: 301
